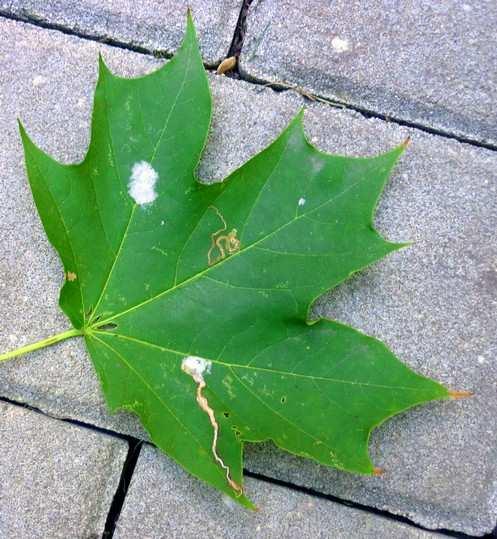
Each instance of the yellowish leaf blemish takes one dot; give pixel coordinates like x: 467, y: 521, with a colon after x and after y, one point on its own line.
x: 195, y: 367
x: 224, y: 244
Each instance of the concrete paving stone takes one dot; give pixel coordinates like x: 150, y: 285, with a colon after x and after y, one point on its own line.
x: 429, y: 62
x: 165, y: 502
x: 156, y: 25
x: 433, y: 304
x: 57, y: 480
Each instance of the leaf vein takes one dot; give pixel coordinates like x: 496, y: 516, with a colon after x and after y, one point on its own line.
x: 261, y: 369
x: 151, y: 389
x: 234, y: 255
x: 166, y: 124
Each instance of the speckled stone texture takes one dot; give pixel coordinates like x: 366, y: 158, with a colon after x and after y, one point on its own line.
x: 56, y: 479
x: 155, y: 25
x: 433, y: 304
x: 160, y: 489
x: 429, y: 62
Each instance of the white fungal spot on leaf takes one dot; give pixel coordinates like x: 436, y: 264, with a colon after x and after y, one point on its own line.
x: 196, y: 367
x: 339, y: 45
x: 141, y: 187
x: 301, y: 201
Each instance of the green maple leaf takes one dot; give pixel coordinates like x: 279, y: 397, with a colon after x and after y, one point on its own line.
x: 194, y: 300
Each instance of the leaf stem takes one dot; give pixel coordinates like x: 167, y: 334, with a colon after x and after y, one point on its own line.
x: 41, y: 344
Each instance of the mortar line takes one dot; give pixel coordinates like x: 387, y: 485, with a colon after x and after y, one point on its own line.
x: 134, y: 448
x: 236, y: 45
x: 360, y: 506
x: 76, y: 422
x: 308, y: 96
x: 137, y: 443
x: 104, y: 40
x: 121, y: 492
x: 278, y: 87
x: 101, y: 39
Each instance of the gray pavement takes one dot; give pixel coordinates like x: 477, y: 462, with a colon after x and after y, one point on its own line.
x: 429, y: 62
x: 160, y: 488
x: 155, y: 25
x: 57, y: 480
x: 434, y: 303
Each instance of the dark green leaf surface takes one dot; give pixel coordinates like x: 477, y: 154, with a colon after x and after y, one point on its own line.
x: 152, y: 284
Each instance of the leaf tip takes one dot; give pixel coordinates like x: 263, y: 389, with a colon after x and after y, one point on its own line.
x: 298, y: 122
x: 300, y: 114
x: 21, y: 128
x: 460, y: 394
x: 25, y: 138
x: 102, y: 66
x: 396, y: 246
x: 249, y: 504
x: 190, y: 41
x: 190, y: 25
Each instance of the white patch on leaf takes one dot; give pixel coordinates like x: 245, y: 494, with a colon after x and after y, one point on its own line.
x: 196, y: 367
x: 301, y: 201
x: 141, y: 187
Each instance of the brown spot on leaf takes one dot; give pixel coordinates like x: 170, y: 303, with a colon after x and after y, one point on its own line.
x: 378, y: 472
x: 71, y: 276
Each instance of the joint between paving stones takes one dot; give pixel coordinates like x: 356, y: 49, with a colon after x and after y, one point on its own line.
x: 239, y: 35
x: 89, y: 426
x: 97, y: 38
x: 134, y: 450
x: 104, y: 40
x: 360, y: 507
x: 235, y: 50
x: 281, y: 87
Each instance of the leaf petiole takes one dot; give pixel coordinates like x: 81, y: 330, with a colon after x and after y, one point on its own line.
x: 41, y: 344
